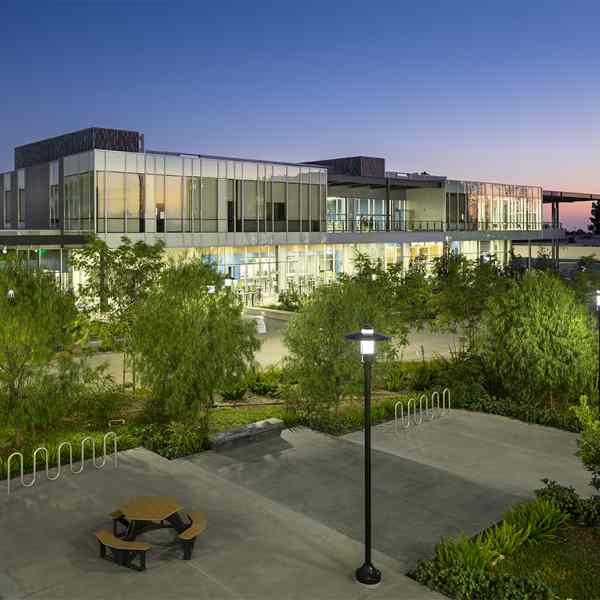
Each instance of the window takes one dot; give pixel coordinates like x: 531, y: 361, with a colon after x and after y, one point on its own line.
x: 209, y: 203
x: 293, y: 207
x: 279, y: 206
x: 6, y: 208
x: 115, y: 202
x: 54, y: 219
x: 101, y: 224
x: 21, y: 208
x: 134, y: 202
x: 250, y: 206
x: 173, y: 203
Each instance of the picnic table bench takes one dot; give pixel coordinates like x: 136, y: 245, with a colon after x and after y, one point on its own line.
x: 122, y: 551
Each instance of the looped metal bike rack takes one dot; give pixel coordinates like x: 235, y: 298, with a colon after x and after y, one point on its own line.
x: 98, y: 463
x: 429, y: 410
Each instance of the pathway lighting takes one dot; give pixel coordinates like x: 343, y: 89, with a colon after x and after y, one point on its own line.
x: 367, y: 337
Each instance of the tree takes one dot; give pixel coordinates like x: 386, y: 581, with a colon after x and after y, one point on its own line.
x: 538, y: 342
x: 594, y: 225
x: 460, y: 291
x: 189, y: 342
x: 115, y: 281
x: 36, y: 324
x: 324, y: 364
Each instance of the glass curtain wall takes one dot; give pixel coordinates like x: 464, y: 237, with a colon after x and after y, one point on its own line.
x: 211, y: 195
x: 79, y: 206
x: 492, y: 206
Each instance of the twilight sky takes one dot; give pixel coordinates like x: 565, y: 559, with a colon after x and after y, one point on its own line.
x: 500, y: 91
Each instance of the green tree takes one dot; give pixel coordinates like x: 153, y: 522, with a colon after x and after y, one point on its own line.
x: 460, y: 291
x: 188, y: 342
x: 538, y: 342
x: 324, y: 364
x: 36, y: 323
x: 116, y: 279
x: 594, y: 225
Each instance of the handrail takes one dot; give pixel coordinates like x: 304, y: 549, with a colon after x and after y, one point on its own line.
x: 43, y: 450
x: 438, y: 407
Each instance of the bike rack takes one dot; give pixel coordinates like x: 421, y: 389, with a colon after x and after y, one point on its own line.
x: 437, y: 408
x: 101, y: 462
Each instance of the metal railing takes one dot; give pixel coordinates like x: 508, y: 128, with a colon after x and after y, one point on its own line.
x: 380, y: 222
x: 335, y: 222
x: 428, y: 409
x: 98, y: 463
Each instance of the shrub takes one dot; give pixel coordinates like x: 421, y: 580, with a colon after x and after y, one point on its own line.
x: 506, y: 538
x: 265, y: 382
x: 589, y: 442
x: 174, y: 439
x: 468, y: 584
x: 234, y: 392
x: 477, y: 554
x: 583, y: 511
x: 564, y: 498
x: 538, y: 342
x: 542, y: 517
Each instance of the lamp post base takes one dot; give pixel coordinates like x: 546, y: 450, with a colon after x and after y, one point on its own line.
x: 368, y: 575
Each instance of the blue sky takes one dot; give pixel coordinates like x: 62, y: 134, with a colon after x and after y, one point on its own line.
x: 501, y: 91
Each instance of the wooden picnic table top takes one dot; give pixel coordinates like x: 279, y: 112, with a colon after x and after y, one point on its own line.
x: 150, y: 508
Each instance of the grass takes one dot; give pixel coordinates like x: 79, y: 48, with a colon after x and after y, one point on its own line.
x: 229, y: 418
x: 570, y: 565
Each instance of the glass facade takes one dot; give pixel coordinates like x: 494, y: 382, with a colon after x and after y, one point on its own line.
x: 260, y: 272
x: 78, y: 207
x: 207, y: 195
x: 478, y: 206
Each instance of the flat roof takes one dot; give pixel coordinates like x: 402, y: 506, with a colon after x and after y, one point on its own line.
x: 557, y: 196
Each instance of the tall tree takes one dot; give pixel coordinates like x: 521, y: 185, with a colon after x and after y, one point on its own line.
x: 190, y: 341
x: 37, y: 319
x: 594, y: 225
x: 537, y: 341
x: 115, y: 280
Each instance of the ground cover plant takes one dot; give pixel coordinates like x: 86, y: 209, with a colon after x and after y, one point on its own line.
x: 542, y: 549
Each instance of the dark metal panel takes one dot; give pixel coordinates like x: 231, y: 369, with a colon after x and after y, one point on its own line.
x: 355, y: 166
x: 37, y: 193
x: 42, y: 240
x: 78, y: 141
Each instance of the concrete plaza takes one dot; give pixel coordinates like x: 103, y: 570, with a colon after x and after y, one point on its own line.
x: 285, y: 515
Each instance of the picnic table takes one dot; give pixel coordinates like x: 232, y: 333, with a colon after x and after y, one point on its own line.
x: 145, y: 513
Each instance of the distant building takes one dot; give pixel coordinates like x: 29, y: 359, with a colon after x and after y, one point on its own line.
x: 271, y: 224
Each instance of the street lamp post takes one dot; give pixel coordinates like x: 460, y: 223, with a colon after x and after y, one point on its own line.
x: 367, y: 574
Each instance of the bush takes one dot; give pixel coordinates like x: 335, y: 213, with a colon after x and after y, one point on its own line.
x: 537, y: 342
x: 267, y: 382
x: 506, y: 538
x: 480, y: 584
x: 174, y: 439
x: 234, y: 392
x: 474, y: 555
x: 589, y: 442
x: 583, y: 511
x: 541, y: 517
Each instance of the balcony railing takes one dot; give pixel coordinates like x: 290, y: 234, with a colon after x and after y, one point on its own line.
x: 340, y: 223
x: 378, y: 222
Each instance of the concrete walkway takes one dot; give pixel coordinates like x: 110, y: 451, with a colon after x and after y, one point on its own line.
x: 273, y: 350
x: 253, y: 548
x: 498, y: 452
x: 454, y: 475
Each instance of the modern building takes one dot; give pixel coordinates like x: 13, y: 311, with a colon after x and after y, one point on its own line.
x: 270, y: 224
